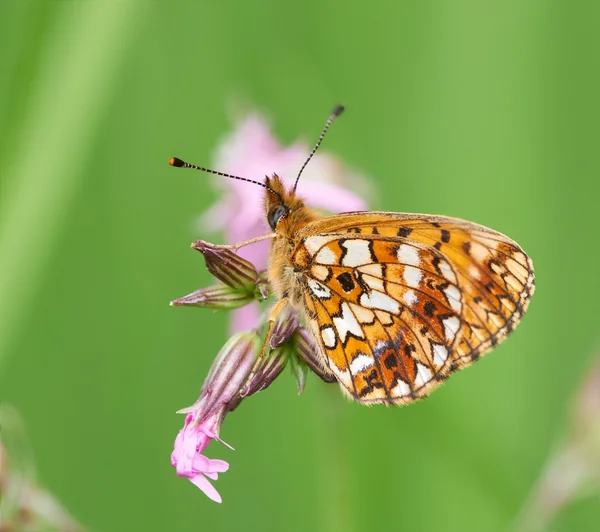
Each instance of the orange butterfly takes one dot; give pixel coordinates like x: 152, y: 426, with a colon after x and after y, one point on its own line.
x: 396, y: 302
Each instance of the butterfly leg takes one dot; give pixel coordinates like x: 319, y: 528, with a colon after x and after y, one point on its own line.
x: 239, y: 245
x: 275, y: 312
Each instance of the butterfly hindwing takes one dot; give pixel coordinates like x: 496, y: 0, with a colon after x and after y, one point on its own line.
x: 397, y: 302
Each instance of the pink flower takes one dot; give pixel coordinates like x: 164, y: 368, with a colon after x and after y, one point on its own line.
x: 188, y: 459
x: 251, y: 151
x: 236, y: 373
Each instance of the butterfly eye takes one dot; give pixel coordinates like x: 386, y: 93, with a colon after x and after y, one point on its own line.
x: 275, y: 214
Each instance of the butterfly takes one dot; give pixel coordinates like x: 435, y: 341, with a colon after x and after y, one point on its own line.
x: 395, y: 302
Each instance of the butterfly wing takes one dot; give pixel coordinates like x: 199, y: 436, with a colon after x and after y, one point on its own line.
x: 398, y: 302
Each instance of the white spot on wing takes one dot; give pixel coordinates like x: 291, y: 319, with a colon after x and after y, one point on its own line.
x: 480, y: 334
x: 478, y: 252
x: 360, y: 363
x: 453, y: 295
x: 517, y: 269
x: 496, y: 268
x: 412, y: 276
x: 358, y: 253
x: 373, y: 283
x: 320, y: 272
x: 451, y: 326
x: 373, y: 269
x: 513, y: 282
x: 496, y: 319
x: 491, y: 243
x: 384, y: 318
x: 521, y: 259
x: 326, y: 256
x: 380, y: 301
x: 440, y: 354
x: 343, y: 376
x: 381, y: 345
x: 447, y: 271
x: 401, y: 389
x: 347, y: 323
x: 408, y: 255
x: 363, y: 315
x: 320, y: 290
x: 410, y: 297
x: 423, y: 375
x: 328, y: 335
x: 474, y: 272
x: 316, y: 242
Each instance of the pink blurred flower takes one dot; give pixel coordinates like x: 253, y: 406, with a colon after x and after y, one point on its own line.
x: 251, y: 151
x: 572, y: 470
x: 25, y: 504
x: 188, y: 459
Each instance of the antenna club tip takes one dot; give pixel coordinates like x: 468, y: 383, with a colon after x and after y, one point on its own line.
x: 175, y: 161
x: 337, y: 110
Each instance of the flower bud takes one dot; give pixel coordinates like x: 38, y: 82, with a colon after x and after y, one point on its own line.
x: 269, y: 370
x: 263, y: 284
x: 227, y: 376
x: 219, y: 296
x: 299, y: 369
x: 227, y: 266
x: 309, y: 353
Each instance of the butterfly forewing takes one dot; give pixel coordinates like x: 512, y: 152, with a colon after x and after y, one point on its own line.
x: 397, y: 302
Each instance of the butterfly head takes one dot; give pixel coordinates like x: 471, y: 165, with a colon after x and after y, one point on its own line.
x: 285, y: 211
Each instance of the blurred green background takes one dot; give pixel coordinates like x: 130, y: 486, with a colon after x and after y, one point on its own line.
x: 482, y: 110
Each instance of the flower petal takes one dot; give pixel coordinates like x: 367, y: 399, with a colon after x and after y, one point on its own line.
x: 217, y: 466
x: 209, y: 490
x: 245, y: 318
x: 330, y: 197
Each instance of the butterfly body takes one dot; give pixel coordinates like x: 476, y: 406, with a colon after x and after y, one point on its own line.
x: 286, y: 214
x: 396, y: 302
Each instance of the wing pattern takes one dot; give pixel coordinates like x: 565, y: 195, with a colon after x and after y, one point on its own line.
x: 398, y: 302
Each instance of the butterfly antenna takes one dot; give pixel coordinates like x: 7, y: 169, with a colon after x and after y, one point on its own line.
x: 334, y: 114
x: 175, y: 161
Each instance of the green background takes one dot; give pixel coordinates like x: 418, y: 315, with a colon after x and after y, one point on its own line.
x: 483, y: 110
